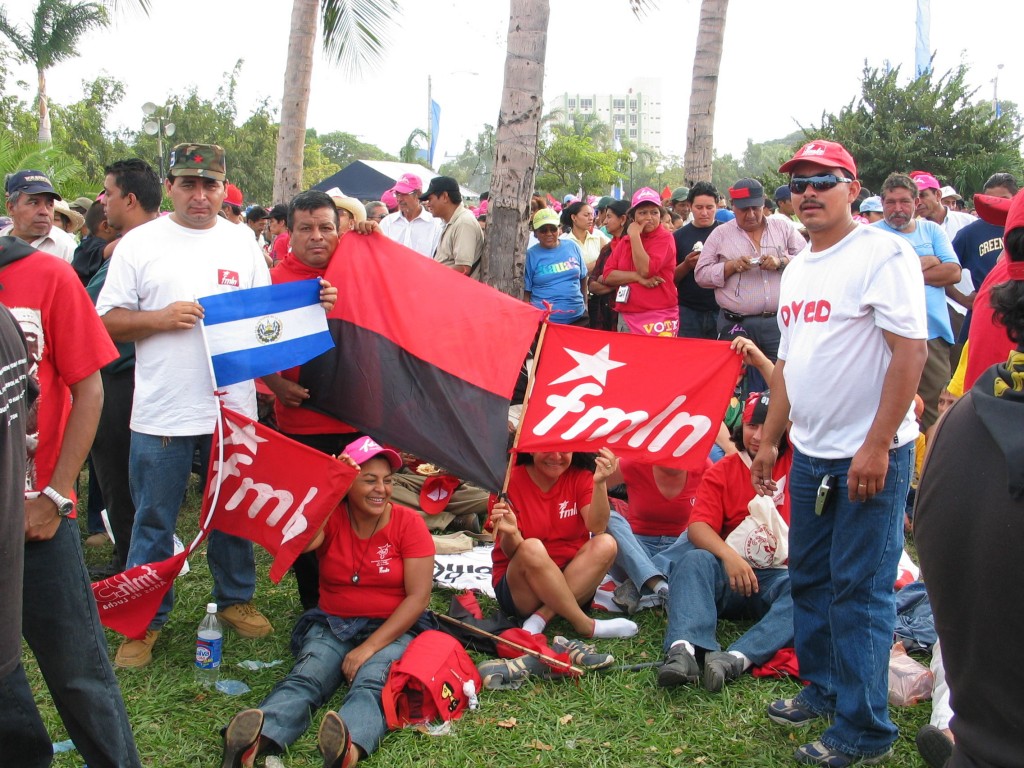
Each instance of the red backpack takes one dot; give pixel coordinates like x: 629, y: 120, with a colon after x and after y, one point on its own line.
x: 427, y: 682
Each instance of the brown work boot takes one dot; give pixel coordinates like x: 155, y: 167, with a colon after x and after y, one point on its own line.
x: 246, y: 620
x: 136, y: 653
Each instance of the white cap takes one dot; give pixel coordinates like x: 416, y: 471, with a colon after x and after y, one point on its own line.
x: 211, y: 607
x: 948, y: 192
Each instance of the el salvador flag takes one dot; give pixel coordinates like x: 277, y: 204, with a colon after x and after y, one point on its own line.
x: 257, y: 331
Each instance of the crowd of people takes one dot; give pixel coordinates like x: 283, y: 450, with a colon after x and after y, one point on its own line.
x: 843, y: 306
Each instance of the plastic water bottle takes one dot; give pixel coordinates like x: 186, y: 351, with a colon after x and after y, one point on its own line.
x: 209, y: 643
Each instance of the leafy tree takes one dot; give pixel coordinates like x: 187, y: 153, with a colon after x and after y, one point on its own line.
x: 571, y: 163
x: 472, y: 167
x: 342, y: 148
x: 411, y: 151
x: 57, y: 26
x: 929, y: 124
x: 17, y: 154
x: 79, y: 129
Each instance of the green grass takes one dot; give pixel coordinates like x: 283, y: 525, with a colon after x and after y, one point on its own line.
x: 617, y: 718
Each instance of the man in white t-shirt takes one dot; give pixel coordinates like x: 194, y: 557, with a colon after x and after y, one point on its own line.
x: 149, y: 297
x: 412, y: 225
x: 853, y: 327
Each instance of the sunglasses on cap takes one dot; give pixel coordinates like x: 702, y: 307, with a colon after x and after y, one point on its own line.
x: 798, y: 184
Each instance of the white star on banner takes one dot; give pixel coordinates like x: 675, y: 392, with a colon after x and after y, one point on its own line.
x: 595, y: 366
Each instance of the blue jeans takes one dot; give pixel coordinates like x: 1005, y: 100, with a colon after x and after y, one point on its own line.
x: 698, y: 324
x: 643, y: 557
x: 699, y: 595
x: 289, y: 707
x: 159, y: 471
x: 22, y: 732
x: 842, y: 567
x: 62, y: 627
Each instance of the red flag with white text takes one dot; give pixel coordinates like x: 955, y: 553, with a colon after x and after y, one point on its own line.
x: 127, y: 602
x: 654, y: 399
x: 273, y: 491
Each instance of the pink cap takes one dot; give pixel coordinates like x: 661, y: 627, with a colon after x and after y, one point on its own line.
x: 924, y: 180
x: 233, y: 195
x: 389, y: 199
x: 645, y: 195
x: 409, y: 183
x: 482, y: 210
x: 365, y: 448
x: 827, y: 154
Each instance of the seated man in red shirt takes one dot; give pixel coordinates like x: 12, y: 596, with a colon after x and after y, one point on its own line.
x: 713, y: 581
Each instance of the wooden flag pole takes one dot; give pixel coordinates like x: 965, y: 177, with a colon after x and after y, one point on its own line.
x: 551, y: 662
x: 522, y: 414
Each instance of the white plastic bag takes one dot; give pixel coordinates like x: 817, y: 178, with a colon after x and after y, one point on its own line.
x: 910, y: 681
x: 762, y: 539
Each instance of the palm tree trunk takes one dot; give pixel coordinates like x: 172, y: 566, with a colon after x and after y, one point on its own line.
x: 515, y: 166
x: 701, y: 124
x: 44, y: 110
x: 298, y: 74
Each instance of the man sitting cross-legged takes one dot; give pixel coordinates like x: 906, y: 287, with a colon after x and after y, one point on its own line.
x: 712, y: 580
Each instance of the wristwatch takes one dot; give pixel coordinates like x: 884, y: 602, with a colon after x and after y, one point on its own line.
x: 64, y: 506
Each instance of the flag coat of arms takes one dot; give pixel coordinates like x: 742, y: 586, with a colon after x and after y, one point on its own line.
x: 656, y: 400
x: 263, y: 330
x: 273, y: 491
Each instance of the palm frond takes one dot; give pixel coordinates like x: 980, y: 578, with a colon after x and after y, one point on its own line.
x: 356, y: 31
x: 63, y: 170
x: 58, y: 26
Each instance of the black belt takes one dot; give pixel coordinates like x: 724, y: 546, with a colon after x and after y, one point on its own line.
x: 733, y: 317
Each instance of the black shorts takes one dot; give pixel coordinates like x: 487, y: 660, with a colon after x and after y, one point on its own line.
x: 503, y: 595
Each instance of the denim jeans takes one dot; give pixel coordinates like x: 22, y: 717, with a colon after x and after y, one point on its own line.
x: 842, y: 567
x: 22, y: 732
x: 698, y: 324
x: 160, y: 468
x: 699, y: 595
x: 643, y: 557
x: 289, y: 707
x: 62, y: 627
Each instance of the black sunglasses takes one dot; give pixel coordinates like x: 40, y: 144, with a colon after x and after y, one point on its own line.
x: 547, y: 229
x: 798, y: 184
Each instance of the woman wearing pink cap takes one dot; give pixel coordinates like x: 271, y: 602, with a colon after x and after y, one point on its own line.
x: 641, y: 268
x: 376, y: 568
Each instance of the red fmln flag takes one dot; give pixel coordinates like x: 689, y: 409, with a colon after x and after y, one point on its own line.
x: 273, y: 491
x: 657, y: 400
x: 426, y: 359
x: 128, y: 601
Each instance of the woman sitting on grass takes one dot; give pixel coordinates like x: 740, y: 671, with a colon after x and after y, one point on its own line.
x: 376, y: 565
x: 551, y: 551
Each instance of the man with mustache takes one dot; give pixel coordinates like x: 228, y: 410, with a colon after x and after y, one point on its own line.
x: 940, y: 267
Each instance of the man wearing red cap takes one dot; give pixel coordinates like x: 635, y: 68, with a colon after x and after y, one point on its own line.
x: 412, y: 225
x: 852, y: 313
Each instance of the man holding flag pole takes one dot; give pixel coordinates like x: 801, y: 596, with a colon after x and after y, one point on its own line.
x: 150, y: 298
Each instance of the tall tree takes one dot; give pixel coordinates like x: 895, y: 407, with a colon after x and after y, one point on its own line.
x: 353, y: 35
x: 704, y: 90
x: 57, y: 26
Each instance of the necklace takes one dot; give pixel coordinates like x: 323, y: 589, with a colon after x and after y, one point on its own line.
x: 358, y: 566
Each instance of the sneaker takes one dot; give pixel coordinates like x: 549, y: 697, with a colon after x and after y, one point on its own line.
x: 245, y: 620
x: 136, y: 653
x: 680, y: 668
x: 97, y: 540
x: 581, y: 654
x: 720, y: 668
x: 789, y: 712
x: 817, y: 753
x: 627, y: 597
x: 503, y: 674
x: 934, y: 746
x: 334, y: 742
x: 241, y: 739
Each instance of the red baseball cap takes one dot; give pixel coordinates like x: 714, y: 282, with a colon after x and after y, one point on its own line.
x: 755, y: 410
x: 233, y: 195
x: 827, y: 154
x: 408, y: 183
x: 437, y: 492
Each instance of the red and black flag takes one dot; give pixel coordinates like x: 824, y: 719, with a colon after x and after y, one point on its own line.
x: 425, y: 358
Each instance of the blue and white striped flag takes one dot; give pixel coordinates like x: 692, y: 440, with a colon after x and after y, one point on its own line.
x: 257, y: 331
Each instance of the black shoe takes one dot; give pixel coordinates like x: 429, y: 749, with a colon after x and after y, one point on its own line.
x: 241, y: 738
x: 680, y: 668
x: 333, y: 740
x: 719, y: 669
x: 934, y: 746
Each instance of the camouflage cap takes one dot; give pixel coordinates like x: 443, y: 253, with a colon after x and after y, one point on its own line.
x: 206, y: 160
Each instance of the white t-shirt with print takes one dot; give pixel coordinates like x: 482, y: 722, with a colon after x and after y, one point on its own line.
x: 833, y: 306
x: 155, y: 265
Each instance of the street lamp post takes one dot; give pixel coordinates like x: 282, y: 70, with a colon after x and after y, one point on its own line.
x: 632, y: 159
x: 158, y: 126
x: 995, y: 91
x: 660, y: 170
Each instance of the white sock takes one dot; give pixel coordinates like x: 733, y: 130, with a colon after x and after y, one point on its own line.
x: 747, y: 663
x: 661, y: 588
x: 614, y: 628
x: 536, y: 624
x: 689, y: 646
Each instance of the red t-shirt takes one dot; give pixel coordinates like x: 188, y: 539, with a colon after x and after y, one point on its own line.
x: 67, y: 343
x: 661, y: 249
x: 650, y: 513
x: 301, y: 421
x: 727, y: 489
x: 280, y: 247
x: 379, y: 561
x: 553, y: 517
x: 990, y: 344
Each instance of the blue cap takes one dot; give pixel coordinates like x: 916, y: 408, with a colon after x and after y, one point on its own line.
x: 871, y: 204
x: 31, y: 183
x: 783, y: 193
x: 724, y: 214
